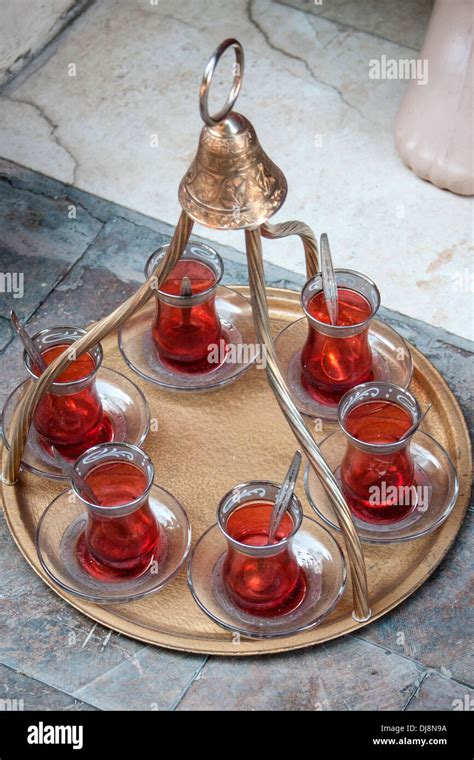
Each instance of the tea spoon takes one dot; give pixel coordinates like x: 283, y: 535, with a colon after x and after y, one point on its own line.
x: 186, y: 291
x: 30, y: 347
x: 329, y: 279
x: 284, y: 497
x: 417, y: 424
x: 81, y: 484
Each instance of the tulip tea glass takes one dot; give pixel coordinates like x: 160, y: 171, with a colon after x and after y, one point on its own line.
x: 70, y: 415
x: 377, y: 471
x: 186, y: 325
x: 260, y: 590
x: 116, y: 536
x: 121, y: 538
x: 260, y: 579
x: 337, y: 357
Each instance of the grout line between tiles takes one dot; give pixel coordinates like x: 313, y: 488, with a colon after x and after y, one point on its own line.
x: 188, y: 686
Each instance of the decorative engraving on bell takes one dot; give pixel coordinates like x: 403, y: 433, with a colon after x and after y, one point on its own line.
x: 231, y: 183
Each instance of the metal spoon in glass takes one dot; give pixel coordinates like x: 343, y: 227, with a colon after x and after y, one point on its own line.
x: 329, y: 279
x: 186, y: 288
x: 417, y: 424
x: 30, y: 347
x: 284, y: 497
x: 81, y: 484
x: 186, y: 291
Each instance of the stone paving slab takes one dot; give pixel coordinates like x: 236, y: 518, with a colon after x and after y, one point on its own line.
x: 155, y: 679
x: 5, y: 332
x: 43, y: 637
x: 434, y: 626
x: 342, y: 675
x: 20, y: 692
x: 39, y: 244
x: 439, y: 693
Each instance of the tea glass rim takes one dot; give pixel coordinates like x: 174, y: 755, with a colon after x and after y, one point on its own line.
x: 342, y: 328
x: 96, y: 352
x: 264, y: 550
x: 365, y: 389
x: 129, y: 506
x: 175, y: 297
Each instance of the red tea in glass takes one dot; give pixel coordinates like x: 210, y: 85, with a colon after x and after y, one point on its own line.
x: 70, y: 415
x: 377, y: 471
x: 187, y: 326
x: 260, y: 579
x: 122, y: 537
x: 335, y: 358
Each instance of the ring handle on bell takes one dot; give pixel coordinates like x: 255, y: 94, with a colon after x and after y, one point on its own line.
x: 210, y: 120
x: 26, y: 409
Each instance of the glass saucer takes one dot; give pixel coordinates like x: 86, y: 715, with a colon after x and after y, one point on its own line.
x: 62, y: 524
x: 138, y: 349
x: 318, y: 554
x: 434, y: 471
x: 392, y: 363
x: 124, y: 404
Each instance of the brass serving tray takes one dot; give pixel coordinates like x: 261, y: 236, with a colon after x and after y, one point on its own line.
x: 205, y: 444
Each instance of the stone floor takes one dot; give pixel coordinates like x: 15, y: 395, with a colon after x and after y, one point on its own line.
x: 111, y: 107
x: 52, y: 657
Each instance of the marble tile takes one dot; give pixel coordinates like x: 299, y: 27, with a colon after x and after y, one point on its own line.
x: 27, y: 27
x: 317, y: 113
x: 404, y: 22
x: 343, y: 675
x: 28, y: 136
x: 439, y: 693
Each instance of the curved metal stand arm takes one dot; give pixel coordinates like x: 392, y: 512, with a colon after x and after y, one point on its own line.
x: 24, y: 414
x: 285, y: 229
x: 295, y: 420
